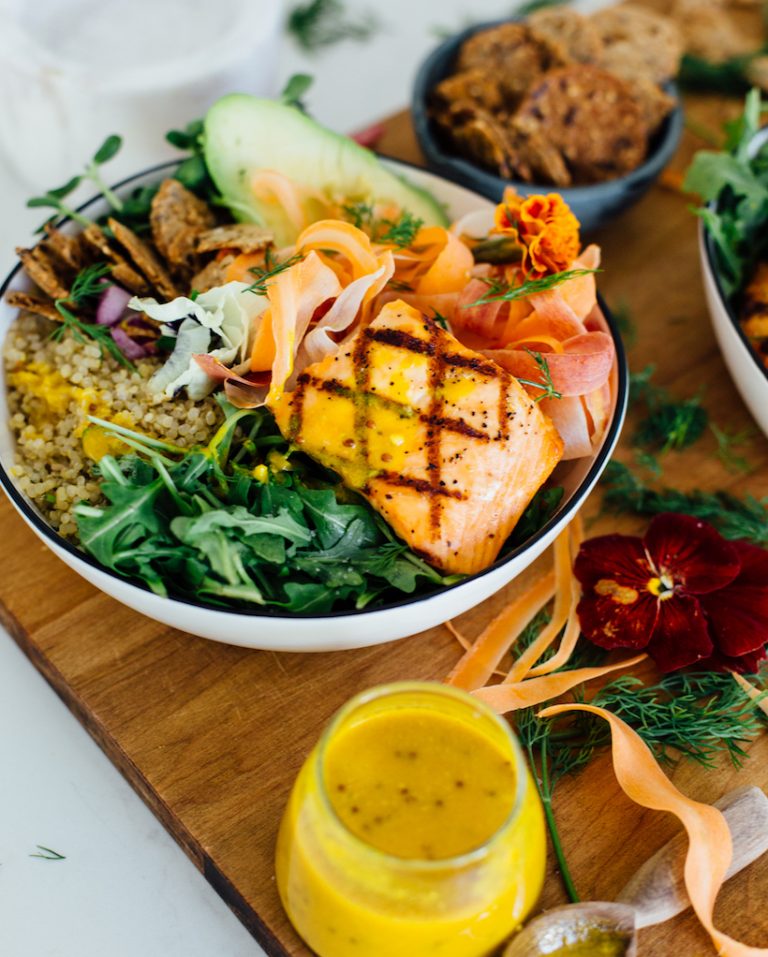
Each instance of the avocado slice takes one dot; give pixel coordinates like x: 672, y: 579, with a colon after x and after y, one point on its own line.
x: 243, y: 134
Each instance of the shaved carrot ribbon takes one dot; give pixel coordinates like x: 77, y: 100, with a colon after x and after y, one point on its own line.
x: 294, y: 295
x: 710, y: 846
x: 758, y: 696
x: 482, y: 657
x: 342, y: 238
x: 525, y: 694
x: 479, y: 662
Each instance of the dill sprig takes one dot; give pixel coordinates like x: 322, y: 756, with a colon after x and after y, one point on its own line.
x: 46, y: 854
x: 699, y: 716
x: 360, y: 214
x: 323, y: 23
x: 500, y: 291
x: 54, y: 198
x: 547, y: 386
x: 272, y: 267
x: 733, y: 517
x: 89, y: 283
x: 400, y: 232
x: 670, y: 424
x: 726, y: 442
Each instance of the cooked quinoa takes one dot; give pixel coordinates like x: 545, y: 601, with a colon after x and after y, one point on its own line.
x: 52, y: 387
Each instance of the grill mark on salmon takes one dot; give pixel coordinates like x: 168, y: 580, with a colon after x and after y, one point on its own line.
x: 419, y: 485
x: 445, y: 444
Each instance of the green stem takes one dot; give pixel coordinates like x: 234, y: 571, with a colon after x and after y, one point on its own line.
x: 95, y: 177
x: 545, y: 792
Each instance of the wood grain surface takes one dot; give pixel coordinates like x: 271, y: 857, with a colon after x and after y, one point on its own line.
x: 212, y: 736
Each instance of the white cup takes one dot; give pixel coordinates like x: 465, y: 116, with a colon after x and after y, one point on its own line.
x: 74, y: 71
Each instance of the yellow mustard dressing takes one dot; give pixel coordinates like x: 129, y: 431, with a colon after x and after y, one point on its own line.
x: 417, y: 784
x: 413, y: 829
x: 55, y: 397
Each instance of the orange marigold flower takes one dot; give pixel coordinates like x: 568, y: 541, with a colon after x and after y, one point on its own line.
x: 544, y: 226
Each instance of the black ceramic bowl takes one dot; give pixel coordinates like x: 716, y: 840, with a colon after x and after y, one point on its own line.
x: 594, y: 205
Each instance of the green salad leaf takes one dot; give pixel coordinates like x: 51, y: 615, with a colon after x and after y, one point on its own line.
x: 736, y: 182
x: 216, y: 525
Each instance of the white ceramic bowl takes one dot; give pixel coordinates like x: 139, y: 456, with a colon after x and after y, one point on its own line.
x: 267, y: 629
x: 749, y: 374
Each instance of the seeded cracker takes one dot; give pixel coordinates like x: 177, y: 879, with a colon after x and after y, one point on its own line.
x: 513, y: 54
x: 29, y: 302
x: 177, y: 217
x: 67, y: 249
x: 639, y: 40
x: 591, y: 116
x: 245, y: 237
x: 42, y: 270
x: 145, y: 259
x: 472, y: 86
x: 534, y: 158
x: 575, y: 33
x: 120, y: 270
x: 213, y: 274
x: 485, y: 140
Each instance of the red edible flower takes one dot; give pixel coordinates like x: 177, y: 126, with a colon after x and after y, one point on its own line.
x: 682, y: 592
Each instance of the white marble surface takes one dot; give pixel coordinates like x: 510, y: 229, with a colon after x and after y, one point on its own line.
x: 125, y: 889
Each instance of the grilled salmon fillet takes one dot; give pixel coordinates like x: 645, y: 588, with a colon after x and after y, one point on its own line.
x: 444, y: 443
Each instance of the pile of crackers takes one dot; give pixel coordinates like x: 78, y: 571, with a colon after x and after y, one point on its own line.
x: 561, y: 98
x: 186, y: 249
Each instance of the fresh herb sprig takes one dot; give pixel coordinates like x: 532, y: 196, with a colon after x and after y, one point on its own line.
x: 54, y: 198
x: 624, y: 491
x: 272, y: 267
x: 89, y: 283
x: 400, y: 232
x: 546, y: 384
x: 500, y: 291
x: 295, y: 89
x: 46, y: 854
x: 323, y: 23
x: 670, y: 424
x: 727, y: 443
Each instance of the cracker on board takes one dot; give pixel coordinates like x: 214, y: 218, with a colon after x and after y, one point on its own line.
x: 30, y: 302
x: 42, y: 270
x: 470, y: 86
x: 653, y: 40
x: 591, y: 116
x: 574, y: 32
x: 212, y: 274
x: 513, y: 54
x: 144, y: 258
x: 177, y: 217
x: 245, y: 237
x: 120, y: 270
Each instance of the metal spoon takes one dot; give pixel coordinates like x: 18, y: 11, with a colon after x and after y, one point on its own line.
x: 655, y: 893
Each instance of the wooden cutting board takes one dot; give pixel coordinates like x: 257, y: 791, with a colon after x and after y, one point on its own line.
x: 212, y: 736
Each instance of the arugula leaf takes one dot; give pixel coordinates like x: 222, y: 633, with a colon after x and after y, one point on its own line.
x: 295, y: 88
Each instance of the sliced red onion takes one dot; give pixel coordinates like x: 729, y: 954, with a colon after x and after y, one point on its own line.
x: 129, y: 348
x: 112, y: 305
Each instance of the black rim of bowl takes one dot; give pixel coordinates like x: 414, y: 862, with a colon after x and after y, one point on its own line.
x: 569, y: 508
x: 662, y: 145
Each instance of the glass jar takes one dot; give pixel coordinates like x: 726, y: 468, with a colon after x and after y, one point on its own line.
x: 347, y: 898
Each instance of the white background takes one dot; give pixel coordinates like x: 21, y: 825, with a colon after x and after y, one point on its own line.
x: 125, y: 888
